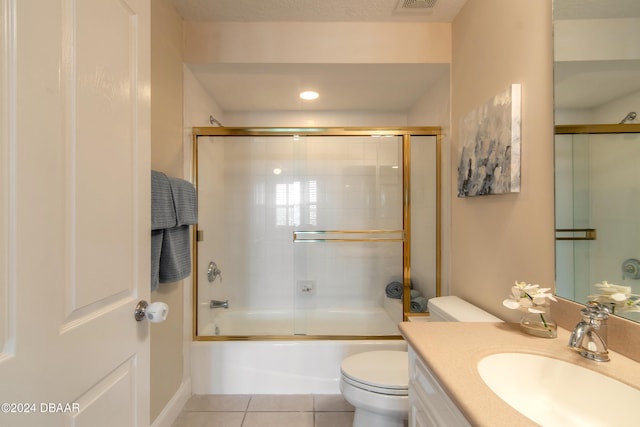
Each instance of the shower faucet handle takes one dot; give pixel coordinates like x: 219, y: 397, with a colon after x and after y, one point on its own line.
x: 213, y: 271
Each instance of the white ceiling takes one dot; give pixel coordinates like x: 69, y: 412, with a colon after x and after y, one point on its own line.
x: 319, y: 10
x: 378, y: 87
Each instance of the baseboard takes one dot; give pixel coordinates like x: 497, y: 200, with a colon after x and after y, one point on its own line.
x: 174, y: 406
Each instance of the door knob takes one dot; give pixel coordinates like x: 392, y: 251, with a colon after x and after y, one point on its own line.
x: 155, y: 312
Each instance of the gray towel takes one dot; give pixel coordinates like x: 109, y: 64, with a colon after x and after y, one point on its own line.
x: 173, y: 209
x: 163, y: 212
x: 418, y: 305
x: 394, y: 290
x: 185, y: 201
x: 175, y: 256
x: 156, y: 249
x: 163, y: 216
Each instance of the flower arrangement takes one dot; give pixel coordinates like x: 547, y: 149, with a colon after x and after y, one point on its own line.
x: 532, y: 298
x: 618, y: 298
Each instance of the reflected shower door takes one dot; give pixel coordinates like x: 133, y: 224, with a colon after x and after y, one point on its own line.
x: 596, y: 189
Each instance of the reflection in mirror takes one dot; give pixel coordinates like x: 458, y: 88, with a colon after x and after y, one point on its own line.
x: 597, y: 86
x: 597, y: 210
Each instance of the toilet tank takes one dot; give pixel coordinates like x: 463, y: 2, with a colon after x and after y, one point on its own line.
x: 454, y: 309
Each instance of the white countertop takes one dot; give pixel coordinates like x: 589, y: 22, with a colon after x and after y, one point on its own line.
x: 452, y: 350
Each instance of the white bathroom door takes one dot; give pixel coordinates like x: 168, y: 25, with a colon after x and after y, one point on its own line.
x: 74, y: 212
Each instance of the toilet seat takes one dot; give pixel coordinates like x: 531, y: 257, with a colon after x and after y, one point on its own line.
x: 381, y: 372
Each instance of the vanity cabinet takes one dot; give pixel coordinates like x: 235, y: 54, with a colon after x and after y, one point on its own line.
x: 429, y: 405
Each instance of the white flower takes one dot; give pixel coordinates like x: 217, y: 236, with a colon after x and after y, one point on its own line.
x: 619, y: 297
x: 527, y: 297
x: 533, y: 299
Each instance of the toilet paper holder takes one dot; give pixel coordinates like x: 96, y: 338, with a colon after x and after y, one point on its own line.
x: 155, y: 312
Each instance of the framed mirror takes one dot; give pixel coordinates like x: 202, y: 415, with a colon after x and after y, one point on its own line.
x: 597, y: 150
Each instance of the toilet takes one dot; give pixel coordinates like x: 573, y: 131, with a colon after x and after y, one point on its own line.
x: 376, y: 383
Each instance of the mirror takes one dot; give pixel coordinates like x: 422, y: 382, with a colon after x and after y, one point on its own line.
x: 597, y: 150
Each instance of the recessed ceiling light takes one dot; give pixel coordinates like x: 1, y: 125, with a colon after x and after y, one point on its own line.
x: 309, y: 95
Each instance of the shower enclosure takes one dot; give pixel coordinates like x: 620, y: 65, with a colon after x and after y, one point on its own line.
x: 597, y: 208
x: 301, y: 230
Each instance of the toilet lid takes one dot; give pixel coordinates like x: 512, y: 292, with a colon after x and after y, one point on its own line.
x: 380, y: 371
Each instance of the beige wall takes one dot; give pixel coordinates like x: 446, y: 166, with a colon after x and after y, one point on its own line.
x: 317, y: 42
x: 166, y: 156
x: 498, y: 239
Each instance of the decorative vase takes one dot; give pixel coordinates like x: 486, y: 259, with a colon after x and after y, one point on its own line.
x: 539, y: 324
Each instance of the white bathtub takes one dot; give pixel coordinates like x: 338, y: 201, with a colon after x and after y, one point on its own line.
x: 275, y: 367
x: 328, y: 322
x: 282, y: 366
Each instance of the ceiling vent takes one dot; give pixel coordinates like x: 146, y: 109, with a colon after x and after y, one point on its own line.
x: 415, y: 4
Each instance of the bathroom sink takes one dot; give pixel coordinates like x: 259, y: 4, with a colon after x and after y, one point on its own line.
x: 552, y: 392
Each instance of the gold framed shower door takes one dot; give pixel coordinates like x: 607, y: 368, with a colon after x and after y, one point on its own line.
x: 403, y: 235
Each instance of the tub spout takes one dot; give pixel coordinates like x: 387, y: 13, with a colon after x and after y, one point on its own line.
x: 219, y: 304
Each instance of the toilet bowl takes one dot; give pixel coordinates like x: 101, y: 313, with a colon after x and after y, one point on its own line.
x: 376, y: 383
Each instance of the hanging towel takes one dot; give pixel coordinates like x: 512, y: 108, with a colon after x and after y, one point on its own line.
x: 175, y: 257
x: 173, y: 209
x: 163, y: 216
x: 163, y: 212
x: 156, y: 250
x: 185, y: 201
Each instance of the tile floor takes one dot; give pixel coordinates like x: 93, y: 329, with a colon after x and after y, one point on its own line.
x: 265, y: 411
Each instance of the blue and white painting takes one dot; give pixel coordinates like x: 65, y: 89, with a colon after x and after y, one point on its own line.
x: 490, y: 146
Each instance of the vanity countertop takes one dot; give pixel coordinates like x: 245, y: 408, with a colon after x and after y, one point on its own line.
x: 452, y: 350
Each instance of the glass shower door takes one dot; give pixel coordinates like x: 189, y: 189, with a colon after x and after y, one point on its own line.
x: 348, y: 240
x: 300, y: 235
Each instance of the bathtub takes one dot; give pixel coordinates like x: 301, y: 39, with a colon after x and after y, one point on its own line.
x: 356, y: 322
x: 285, y: 366
x: 275, y: 367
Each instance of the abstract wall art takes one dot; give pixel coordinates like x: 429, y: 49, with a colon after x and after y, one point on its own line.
x: 490, y: 146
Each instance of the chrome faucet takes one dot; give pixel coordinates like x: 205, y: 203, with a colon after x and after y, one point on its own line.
x: 219, y: 304
x: 585, y: 338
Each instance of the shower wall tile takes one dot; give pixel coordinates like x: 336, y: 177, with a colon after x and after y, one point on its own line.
x: 250, y: 192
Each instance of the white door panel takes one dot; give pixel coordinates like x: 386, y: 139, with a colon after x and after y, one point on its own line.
x: 74, y: 212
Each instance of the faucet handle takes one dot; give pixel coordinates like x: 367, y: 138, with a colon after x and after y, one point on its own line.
x: 595, y: 311
x: 213, y: 271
